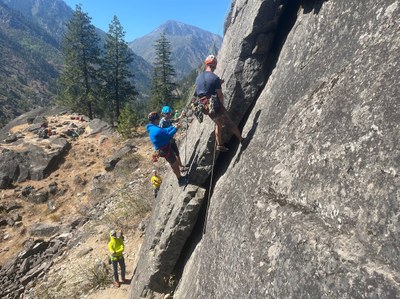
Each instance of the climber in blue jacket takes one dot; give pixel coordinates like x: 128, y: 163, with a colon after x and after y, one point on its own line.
x: 161, y: 139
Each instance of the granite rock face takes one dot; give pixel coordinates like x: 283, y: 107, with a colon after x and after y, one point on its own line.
x: 31, y: 161
x: 310, y: 207
x: 169, y: 228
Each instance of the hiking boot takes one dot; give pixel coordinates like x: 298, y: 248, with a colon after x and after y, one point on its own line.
x: 116, y: 284
x: 182, y: 181
x: 222, y: 148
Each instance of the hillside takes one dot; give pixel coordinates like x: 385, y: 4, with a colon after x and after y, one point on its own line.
x: 67, y: 215
x: 50, y: 15
x: 30, y: 64
x: 189, y: 45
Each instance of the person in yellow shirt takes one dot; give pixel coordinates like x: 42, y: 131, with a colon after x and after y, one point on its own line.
x: 116, y: 247
x: 156, y: 181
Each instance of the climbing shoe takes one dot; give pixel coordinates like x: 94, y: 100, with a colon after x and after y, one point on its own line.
x: 244, y: 142
x: 184, y: 167
x: 182, y: 181
x: 222, y: 148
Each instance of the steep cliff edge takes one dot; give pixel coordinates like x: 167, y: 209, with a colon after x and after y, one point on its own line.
x: 310, y: 208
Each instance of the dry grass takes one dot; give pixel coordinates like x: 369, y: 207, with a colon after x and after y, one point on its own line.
x: 127, y: 213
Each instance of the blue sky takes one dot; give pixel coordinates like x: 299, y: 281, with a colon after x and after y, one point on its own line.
x: 139, y: 17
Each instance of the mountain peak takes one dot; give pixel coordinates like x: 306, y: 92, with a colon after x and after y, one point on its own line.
x: 190, y: 45
x: 177, y: 28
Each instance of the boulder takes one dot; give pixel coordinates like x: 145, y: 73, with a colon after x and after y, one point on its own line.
x: 97, y: 126
x: 11, y: 138
x: 110, y: 162
x: 38, y: 197
x: 44, y: 230
x: 31, y: 162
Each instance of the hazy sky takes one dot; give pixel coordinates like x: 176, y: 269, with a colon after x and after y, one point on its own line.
x: 139, y: 17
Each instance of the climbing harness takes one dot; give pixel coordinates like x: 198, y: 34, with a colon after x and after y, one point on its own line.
x: 165, y: 151
x: 197, y: 109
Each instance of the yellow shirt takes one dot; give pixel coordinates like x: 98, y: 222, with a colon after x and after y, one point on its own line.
x: 156, y: 181
x: 116, y: 247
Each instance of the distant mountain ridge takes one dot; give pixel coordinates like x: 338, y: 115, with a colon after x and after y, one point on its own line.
x: 51, y: 15
x: 30, y: 58
x: 30, y: 62
x: 189, y: 44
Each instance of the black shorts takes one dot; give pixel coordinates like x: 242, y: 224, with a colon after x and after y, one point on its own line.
x: 171, y: 158
x: 168, y: 153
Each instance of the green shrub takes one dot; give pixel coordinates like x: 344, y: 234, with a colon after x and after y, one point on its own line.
x: 127, y: 120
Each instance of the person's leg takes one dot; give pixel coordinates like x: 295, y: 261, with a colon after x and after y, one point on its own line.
x: 175, y: 168
x: 115, y: 268
x: 218, y: 130
x: 231, y: 126
x: 174, y: 147
x: 123, y: 268
x: 171, y: 159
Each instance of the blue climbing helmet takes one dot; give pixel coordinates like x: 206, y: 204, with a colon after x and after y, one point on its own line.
x: 166, y: 110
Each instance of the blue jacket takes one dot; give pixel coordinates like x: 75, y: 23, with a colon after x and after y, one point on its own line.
x: 160, y: 136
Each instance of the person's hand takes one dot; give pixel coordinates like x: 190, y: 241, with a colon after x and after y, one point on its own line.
x: 222, y: 81
x: 177, y: 125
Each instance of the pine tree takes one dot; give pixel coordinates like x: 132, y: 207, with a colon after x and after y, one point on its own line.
x: 162, y: 82
x: 80, y: 49
x: 117, y: 87
x: 127, y: 120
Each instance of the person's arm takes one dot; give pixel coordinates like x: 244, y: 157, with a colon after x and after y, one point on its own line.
x: 170, y: 131
x: 111, y: 247
x: 218, y: 90
x: 121, y: 246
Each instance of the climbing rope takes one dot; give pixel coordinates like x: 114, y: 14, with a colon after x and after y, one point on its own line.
x: 186, y: 133
x: 211, y: 183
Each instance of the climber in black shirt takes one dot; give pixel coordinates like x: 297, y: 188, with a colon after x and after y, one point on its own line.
x: 209, y: 94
